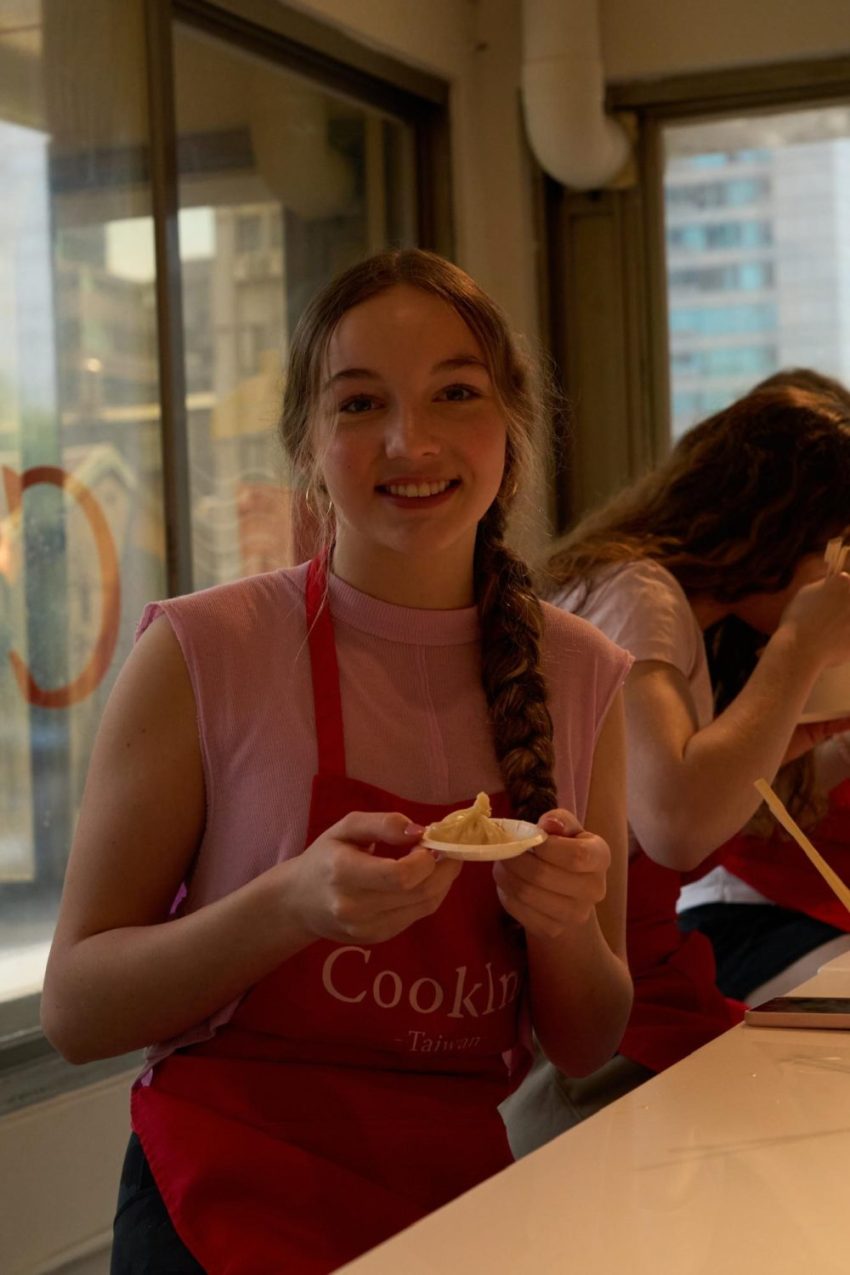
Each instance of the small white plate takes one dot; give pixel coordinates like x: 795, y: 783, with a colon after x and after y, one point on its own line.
x: 523, y: 837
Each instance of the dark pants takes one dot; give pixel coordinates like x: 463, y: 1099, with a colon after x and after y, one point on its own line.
x: 145, y: 1241
x: 753, y: 942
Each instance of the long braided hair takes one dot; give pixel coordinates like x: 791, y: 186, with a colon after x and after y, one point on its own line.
x: 510, y: 613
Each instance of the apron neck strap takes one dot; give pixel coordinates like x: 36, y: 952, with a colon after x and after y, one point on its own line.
x: 327, y: 702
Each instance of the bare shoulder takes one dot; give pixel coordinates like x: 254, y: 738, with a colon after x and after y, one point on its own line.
x: 142, y: 814
x: 156, y: 661
x: 152, y: 704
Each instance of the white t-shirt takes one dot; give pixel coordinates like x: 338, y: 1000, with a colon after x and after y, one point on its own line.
x: 644, y: 609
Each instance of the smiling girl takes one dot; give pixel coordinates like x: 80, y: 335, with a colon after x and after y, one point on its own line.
x: 334, y: 1013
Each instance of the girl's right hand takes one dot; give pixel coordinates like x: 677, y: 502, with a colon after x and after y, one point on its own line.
x: 819, y: 617
x: 340, y: 891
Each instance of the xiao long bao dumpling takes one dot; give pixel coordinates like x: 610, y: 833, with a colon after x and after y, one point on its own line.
x: 471, y: 827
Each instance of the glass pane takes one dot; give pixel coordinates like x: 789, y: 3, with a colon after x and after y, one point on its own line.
x: 81, y: 522
x: 282, y: 184
x: 758, y: 255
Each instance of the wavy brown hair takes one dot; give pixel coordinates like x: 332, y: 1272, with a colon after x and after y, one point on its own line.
x: 510, y: 613
x: 806, y: 378
x: 741, y: 499
x: 796, y: 782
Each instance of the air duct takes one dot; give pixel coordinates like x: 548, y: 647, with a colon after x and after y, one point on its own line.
x: 563, y: 94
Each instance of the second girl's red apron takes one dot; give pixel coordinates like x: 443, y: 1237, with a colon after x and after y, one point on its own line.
x: 355, y: 1088
x: 778, y: 869
x: 678, y: 1006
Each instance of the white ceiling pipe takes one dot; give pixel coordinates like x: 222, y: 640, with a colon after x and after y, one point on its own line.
x: 563, y: 93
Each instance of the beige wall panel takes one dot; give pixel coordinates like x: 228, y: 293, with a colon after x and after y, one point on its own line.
x: 648, y: 38
x: 59, y: 1165
x: 435, y: 36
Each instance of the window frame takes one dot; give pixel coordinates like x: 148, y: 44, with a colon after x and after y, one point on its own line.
x: 30, y: 1069
x: 331, y: 60
x: 628, y: 246
x: 702, y: 97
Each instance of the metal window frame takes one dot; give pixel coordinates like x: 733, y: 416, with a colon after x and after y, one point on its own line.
x: 30, y: 1069
x: 329, y: 58
x: 704, y: 93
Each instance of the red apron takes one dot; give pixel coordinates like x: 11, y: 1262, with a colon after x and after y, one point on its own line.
x: 355, y: 1088
x: 778, y: 869
x: 678, y: 1006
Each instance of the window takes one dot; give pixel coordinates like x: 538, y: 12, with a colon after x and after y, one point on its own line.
x: 791, y: 252
x: 706, y: 236
x: 282, y: 183
x: 249, y: 233
x: 698, y: 403
x: 282, y: 180
x: 748, y: 276
x: 726, y: 194
x: 81, y: 517
x: 755, y: 360
x: 720, y: 159
x: 722, y: 320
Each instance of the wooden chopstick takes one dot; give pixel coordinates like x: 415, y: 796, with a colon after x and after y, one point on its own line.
x: 835, y: 555
x: 832, y: 879
x: 830, y: 554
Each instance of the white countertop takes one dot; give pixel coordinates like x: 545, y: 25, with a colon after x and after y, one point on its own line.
x: 735, y: 1160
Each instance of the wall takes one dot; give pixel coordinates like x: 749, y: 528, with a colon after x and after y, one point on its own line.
x: 652, y: 38
x: 59, y: 1165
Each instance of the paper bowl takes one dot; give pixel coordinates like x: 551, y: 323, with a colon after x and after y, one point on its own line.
x: 830, y: 697
x: 523, y: 836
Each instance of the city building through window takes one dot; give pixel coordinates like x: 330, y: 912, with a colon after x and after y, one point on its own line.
x: 758, y: 271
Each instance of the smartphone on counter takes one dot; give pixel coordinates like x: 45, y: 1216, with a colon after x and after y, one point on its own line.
x: 802, y: 1011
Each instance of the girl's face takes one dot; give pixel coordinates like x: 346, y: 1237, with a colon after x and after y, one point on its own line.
x: 410, y: 438
x: 763, y: 611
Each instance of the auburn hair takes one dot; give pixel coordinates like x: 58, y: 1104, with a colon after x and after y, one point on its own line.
x: 742, y: 497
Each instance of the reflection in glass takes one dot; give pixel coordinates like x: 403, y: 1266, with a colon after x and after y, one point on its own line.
x: 282, y: 184
x: 81, y: 523
x: 758, y: 271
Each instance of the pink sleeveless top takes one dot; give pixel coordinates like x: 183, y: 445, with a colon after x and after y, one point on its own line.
x: 414, y: 712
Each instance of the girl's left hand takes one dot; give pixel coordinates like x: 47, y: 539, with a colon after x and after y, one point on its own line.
x: 558, y: 883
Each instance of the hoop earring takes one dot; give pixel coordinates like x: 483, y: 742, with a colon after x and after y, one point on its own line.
x: 312, y: 492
